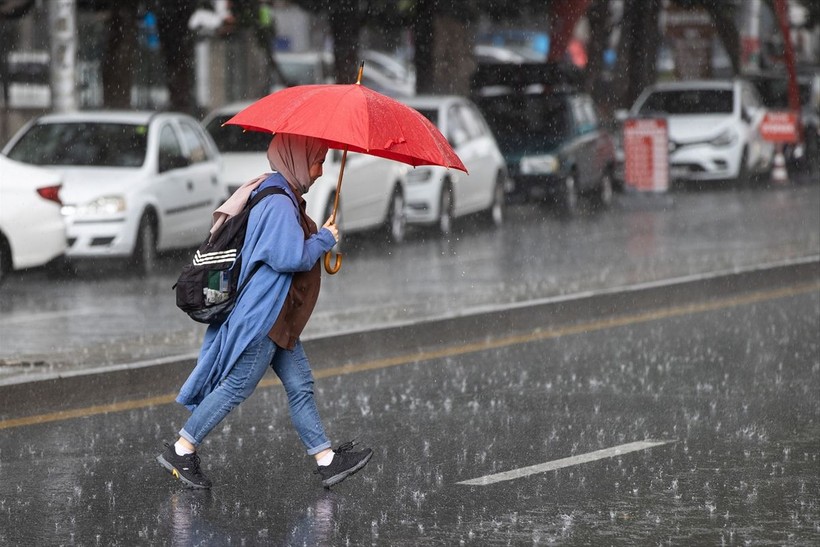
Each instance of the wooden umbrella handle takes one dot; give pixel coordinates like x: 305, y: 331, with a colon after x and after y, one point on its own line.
x: 337, y: 265
x: 332, y: 269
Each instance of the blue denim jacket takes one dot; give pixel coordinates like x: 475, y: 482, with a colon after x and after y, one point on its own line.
x: 274, y: 238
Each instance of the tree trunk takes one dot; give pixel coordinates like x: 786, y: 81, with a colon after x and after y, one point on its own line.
x: 423, y: 39
x: 598, y: 17
x: 640, y: 38
x: 345, y: 22
x: 178, y: 51
x: 453, y: 61
x: 119, y: 58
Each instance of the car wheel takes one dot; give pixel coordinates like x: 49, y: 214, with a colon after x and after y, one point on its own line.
x: 445, y: 210
x: 145, y: 251
x: 498, y: 206
x: 570, y: 195
x: 5, y: 259
x: 603, y: 197
x: 396, y: 219
x: 742, y: 170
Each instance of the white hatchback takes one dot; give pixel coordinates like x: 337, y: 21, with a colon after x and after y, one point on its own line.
x: 436, y: 195
x: 372, y: 196
x: 134, y: 183
x: 32, y: 231
x: 713, y: 128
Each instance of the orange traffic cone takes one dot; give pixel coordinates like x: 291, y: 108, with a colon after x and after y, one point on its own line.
x: 779, y: 174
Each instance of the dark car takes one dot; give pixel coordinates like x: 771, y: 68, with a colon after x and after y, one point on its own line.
x: 552, y: 141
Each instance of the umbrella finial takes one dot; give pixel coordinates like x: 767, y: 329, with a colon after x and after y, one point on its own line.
x: 359, y: 77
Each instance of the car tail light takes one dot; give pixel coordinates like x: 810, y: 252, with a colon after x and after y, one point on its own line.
x: 51, y: 193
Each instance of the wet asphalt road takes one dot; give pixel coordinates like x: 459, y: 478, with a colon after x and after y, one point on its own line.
x: 726, y: 372
x: 105, y: 316
x: 689, y: 320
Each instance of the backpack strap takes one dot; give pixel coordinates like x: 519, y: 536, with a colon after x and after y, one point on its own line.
x: 260, y: 195
x: 265, y: 192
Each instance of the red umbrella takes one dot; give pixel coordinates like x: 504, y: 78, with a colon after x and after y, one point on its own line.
x: 351, y: 117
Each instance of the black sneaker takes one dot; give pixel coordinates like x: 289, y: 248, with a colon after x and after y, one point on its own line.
x: 345, y: 462
x: 185, y: 468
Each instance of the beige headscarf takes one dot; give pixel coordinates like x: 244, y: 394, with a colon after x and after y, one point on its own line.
x: 292, y: 156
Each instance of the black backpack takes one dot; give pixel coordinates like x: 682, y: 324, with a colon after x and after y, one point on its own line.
x: 208, y: 287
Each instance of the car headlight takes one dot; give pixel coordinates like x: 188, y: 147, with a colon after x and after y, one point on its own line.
x: 419, y: 174
x: 103, y: 206
x: 724, y: 139
x: 539, y: 165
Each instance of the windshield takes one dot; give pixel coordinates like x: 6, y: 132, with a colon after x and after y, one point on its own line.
x: 522, y: 121
x: 232, y: 138
x: 83, y: 143
x: 689, y: 101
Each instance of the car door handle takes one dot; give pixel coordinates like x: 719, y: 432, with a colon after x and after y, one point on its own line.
x: 190, y: 185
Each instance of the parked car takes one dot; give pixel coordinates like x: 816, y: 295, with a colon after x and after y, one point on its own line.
x: 436, y: 195
x: 243, y: 152
x: 32, y: 231
x: 552, y: 141
x: 713, y: 128
x: 134, y: 183
x: 372, y: 195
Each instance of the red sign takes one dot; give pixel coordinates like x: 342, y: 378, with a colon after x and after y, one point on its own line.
x: 779, y: 127
x: 646, y: 154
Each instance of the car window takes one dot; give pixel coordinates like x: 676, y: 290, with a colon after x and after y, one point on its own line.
x: 750, y: 97
x: 232, y: 138
x: 431, y: 114
x: 197, y: 149
x: 539, y: 119
x: 457, y: 133
x: 689, y: 101
x: 170, y: 152
x: 83, y: 143
x: 470, y: 121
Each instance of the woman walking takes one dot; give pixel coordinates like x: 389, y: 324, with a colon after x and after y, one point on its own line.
x: 264, y: 327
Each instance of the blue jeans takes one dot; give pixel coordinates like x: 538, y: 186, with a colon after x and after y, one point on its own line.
x: 293, y: 369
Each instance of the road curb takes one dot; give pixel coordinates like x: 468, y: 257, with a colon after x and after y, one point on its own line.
x: 162, y: 377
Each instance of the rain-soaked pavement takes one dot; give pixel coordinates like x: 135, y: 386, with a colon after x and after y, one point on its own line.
x: 682, y: 412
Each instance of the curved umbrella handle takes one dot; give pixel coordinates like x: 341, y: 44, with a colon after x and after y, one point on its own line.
x: 336, y: 266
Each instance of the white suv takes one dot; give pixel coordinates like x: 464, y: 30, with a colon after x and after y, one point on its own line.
x: 713, y: 128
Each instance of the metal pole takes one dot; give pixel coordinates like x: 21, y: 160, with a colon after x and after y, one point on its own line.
x: 62, y: 15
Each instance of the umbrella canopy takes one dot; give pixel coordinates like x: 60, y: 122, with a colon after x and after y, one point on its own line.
x: 351, y: 117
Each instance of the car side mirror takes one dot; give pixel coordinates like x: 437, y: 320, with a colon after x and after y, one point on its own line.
x: 746, y: 114
x: 621, y: 114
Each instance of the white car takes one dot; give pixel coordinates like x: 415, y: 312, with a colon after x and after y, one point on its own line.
x: 32, y: 231
x: 713, y: 128
x: 243, y: 153
x: 372, y: 196
x: 134, y: 183
x: 436, y: 195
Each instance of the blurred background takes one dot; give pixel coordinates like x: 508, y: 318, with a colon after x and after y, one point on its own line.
x: 194, y: 56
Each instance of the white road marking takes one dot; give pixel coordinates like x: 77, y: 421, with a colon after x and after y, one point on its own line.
x: 564, y: 462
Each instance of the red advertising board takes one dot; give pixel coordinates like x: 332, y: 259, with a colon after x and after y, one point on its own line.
x: 646, y: 154
x: 779, y: 127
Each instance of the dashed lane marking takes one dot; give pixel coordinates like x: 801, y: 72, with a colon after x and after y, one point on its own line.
x: 564, y: 462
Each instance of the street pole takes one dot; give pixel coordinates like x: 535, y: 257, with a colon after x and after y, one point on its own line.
x: 62, y: 16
